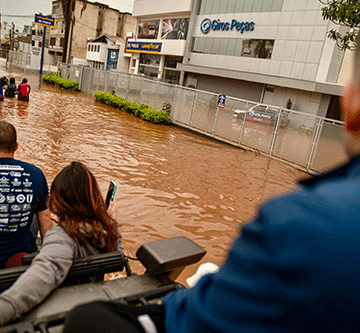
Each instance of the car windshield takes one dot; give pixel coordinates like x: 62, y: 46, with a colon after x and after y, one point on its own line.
x: 272, y: 111
x: 260, y: 108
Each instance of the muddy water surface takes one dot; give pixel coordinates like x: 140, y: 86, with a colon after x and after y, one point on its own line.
x: 171, y: 182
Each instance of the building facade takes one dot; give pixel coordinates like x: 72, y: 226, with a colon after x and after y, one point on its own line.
x: 260, y: 50
x: 97, y: 19
x: 160, y: 38
x: 108, y: 53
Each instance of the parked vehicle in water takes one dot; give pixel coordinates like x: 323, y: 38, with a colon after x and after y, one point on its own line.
x: 263, y: 114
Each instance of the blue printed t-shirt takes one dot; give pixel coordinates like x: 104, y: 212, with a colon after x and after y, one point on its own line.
x: 23, y: 191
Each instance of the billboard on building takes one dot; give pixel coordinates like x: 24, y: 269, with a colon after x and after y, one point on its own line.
x: 148, y: 29
x: 175, y: 29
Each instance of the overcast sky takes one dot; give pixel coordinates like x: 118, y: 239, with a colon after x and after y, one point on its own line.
x: 32, y: 7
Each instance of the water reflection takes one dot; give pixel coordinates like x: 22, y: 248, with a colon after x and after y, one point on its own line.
x: 171, y: 182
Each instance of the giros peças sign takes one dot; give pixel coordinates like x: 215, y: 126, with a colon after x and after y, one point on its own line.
x: 216, y: 25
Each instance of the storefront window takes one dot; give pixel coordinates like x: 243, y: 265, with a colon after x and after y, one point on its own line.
x: 238, y: 6
x: 149, y: 64
x: 148, y: 29
x: 171, y: 61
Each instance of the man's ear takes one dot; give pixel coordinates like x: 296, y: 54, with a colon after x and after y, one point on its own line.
x: 350, y: 105
x: 16, y: 147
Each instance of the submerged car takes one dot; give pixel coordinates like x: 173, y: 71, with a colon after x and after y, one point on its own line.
x: 264, y: 114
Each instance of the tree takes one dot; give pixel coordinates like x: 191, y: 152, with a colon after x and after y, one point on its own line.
x: 68, y: 8
x: 345, y: 13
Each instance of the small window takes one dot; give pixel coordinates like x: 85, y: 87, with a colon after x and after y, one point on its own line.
x: 52, y: 41
x: 89, y: 47
x: 98, y: 48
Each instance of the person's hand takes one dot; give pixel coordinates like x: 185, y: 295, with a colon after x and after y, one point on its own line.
x: 112, y: 210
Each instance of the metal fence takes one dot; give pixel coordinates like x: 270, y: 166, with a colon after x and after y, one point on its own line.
x: 308, y: 142
x: 22, y: 60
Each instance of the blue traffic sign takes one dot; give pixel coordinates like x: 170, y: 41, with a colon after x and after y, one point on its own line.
x: 46, y: 21
x: 221, y: 101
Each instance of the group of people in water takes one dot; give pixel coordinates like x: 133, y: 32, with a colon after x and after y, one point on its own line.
x: 9, y: 89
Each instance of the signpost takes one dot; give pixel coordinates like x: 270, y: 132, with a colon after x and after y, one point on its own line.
x: 221, y: 101
x: 45, y: 21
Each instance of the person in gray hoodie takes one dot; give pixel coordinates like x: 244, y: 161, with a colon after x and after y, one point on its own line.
x: 83, y: 227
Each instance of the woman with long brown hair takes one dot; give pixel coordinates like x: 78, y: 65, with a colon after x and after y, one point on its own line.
x: 84, y: 227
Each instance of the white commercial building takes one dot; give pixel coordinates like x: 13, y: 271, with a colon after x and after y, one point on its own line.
x: 266, y: 51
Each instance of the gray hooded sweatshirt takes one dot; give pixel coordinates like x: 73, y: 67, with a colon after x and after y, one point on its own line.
x: 47, y: 271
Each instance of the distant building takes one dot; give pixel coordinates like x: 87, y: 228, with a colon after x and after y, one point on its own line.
x: 96, y: 20
x: 108, y: 52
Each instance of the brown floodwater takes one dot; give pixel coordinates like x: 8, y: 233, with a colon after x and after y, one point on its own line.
x: 170, y: 182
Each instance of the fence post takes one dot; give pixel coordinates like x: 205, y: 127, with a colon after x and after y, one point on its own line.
x: 174, y: 89
x: 243, y: 123
x: 106, y: 81
x: 193, y: 109
x: 314, y: 144
x: 215, y: 120
x: 128, y: 88
x: 275, y: 133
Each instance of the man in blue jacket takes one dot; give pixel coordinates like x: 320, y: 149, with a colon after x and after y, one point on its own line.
x: 295, y: 268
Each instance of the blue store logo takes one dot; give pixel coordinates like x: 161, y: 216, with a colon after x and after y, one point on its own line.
x: 205, y: 26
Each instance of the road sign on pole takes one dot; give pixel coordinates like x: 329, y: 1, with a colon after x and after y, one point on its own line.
x: 45, y: 21
x: 221, y: 101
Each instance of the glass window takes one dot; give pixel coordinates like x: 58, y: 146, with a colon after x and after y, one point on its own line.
x: 206, y: 6
x: 257, y: 4
x: 56, y: 9
x: 239, y: 7
x: 62, y: 42
x: 267, y: 6
x: 202, y: 42
x: 223, y: 7
x: 208, y: 45
x: 52, y: 41
x: 231, y: 6
x: 231, y: 47
x: 277, y: 5
x: 223, y: 46
x: 215, y: 49
x: 238, y: 47
x: 215, y: 7
x: 247, y: 7
x: 171, y: 61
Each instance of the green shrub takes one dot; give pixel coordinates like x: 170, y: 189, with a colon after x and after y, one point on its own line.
x: 58, y: 81
x: 142, y: 111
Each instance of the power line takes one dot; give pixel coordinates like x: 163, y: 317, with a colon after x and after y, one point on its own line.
x: 26, y: 16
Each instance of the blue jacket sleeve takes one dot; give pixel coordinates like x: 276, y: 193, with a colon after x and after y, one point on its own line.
x: 277, y: 276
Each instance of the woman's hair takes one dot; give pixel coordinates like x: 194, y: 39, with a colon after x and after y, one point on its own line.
x: 24, y: 81
x: 76, y: 200
x: 12, y: 80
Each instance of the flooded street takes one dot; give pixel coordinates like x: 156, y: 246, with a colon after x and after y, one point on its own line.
x: 170, y: 182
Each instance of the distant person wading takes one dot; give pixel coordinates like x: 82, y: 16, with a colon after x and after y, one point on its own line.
x: 23, y: 91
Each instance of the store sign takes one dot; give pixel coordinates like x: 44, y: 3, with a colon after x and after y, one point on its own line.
x: 216, y: 25
x: 140, y: 47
